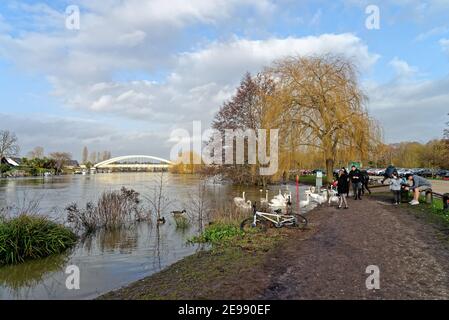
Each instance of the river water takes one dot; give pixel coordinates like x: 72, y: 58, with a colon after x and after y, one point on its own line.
x: 107, y: 260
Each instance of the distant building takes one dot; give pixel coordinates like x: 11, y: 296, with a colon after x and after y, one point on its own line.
x: 72, y: 164
x: 11, y: 161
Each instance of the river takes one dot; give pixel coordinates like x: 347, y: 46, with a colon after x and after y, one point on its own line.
x: 106, y: 260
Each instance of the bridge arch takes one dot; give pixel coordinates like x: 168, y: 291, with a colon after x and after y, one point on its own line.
x: 121, y: 158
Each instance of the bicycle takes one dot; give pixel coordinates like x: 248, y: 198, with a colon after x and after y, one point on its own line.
x: 279, y: 220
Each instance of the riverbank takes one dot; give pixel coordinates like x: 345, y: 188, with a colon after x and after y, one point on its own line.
x: 326, y: 261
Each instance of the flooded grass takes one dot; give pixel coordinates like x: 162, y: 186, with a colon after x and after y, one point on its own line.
x: 209, y: 274
x: 113, y: 209
x: 182, y: 222
x: 29, y: 237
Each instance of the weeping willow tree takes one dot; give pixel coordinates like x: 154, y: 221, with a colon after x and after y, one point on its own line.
x: 319, y: 105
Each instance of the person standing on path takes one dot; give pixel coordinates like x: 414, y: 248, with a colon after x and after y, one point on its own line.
x: 365, y: 182
x: 395, y: 187
x: 342, y: 187
x: 355, y: 177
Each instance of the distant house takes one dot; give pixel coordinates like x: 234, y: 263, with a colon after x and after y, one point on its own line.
x: 72, y: 164
x: 12, y: 162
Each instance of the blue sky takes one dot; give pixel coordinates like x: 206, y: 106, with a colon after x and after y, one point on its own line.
x: 137, y: 69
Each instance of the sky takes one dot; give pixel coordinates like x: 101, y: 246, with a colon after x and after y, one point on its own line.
x: 135, y: 70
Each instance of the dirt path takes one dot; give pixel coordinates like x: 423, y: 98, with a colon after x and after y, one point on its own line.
x: 327, y: 261
x: 331, y: 263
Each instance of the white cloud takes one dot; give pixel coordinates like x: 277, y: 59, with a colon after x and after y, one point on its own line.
x: 402, y: 68
x: 444, y: 43
x: 432, y: 32
x: 410, y: 110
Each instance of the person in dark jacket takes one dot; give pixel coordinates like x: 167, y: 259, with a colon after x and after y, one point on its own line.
x: 355, y: 177
x: 365, y: 182
x: 342, y: 187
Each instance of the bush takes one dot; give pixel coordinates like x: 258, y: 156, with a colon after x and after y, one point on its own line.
x: 113, y: 209
x: 30, y: 237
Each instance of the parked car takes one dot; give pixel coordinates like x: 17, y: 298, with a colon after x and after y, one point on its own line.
x: 442, y: 173
x: 426, y: 173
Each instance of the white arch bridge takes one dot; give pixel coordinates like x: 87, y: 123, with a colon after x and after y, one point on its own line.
x: 134, y: 163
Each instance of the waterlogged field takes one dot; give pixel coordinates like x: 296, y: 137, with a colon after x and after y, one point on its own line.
x: 107, y: 260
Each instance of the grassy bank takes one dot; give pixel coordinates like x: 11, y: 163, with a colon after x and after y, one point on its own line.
x: 29, y: 237
x: 431, y: 213
x: 209, y: 274
x: 309, y: 179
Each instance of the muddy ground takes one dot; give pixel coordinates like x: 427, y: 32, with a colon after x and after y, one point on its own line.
x: 327, y: 261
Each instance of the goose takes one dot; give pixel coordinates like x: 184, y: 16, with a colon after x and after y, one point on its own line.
x: 177, y: 213
x: 240, y: 200
x: 161, y: 220
x: 306, y: 202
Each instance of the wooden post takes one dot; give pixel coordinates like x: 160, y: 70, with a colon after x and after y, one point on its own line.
x: 297, y: 194
x: 429, y: 196
x: 446, y: 201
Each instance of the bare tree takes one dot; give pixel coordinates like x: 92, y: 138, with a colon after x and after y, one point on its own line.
x: 85, y: 155
x: 158, y: 199
x: 36, y: 153
x: 60, y: 159
x: 8, y: 144
x: 199, y: 206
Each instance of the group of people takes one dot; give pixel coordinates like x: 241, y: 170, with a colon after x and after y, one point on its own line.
x: 359, y: 179
x: 411, y: 182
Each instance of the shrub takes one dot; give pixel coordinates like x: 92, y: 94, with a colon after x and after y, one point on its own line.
x: 113, y: 209
x: 30, y: 237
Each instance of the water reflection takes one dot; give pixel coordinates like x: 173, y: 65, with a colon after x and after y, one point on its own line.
x: 108, y: 259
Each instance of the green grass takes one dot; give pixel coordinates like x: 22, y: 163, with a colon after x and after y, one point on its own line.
x: 218, y: 233
x: 28, y: 237
x: 310, y: 179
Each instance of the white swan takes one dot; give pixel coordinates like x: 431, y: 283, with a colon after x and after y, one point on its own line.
x: 319, y: 198
x: 246, y: 205
x: 306, y: 202
x: 333, y: 198
x: 238, y: 201
x: 279, y: 196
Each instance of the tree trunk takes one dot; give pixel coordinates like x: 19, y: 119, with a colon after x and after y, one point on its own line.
x: 329, y: 170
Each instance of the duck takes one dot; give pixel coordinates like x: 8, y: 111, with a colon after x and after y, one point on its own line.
x: 161, y: 220
x: 238, y: 201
